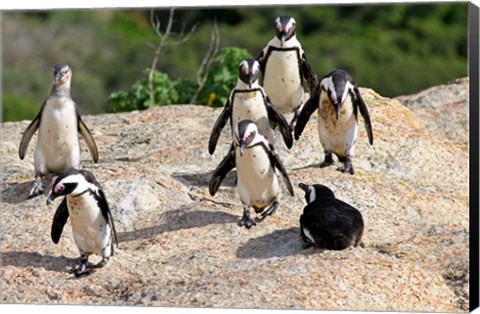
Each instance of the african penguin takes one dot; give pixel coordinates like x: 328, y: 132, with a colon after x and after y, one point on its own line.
x: 338, y: 101
x: 327, y: 222
x: 284, y: 66
x: 249, y: 101
x: 92, y: 223
x: 59, y: 123
x: 256, y: 163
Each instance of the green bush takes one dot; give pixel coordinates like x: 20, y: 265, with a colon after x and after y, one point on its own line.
x: 222, y: 77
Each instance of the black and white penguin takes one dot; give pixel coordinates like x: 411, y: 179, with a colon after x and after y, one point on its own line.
x: 338, y: 101
x: 248, y: 100
x: 92, y: 223
x: 327, y: 222
x: 256, y: 163
x: 59, y: 123
x: 284, y: 66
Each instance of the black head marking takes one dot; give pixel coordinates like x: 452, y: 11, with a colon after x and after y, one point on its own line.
x: 248, y: 71
x: 316, y: 191
x: 60, y: 71
x: 285, y: 28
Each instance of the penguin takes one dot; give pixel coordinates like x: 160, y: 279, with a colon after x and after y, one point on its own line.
x: 284, y: 66
x: 256, y: 163
x: 248, y: 100
x: 338, y: 100
x: 59, y: 123
x: 328, y: 222
x: 92, y: 222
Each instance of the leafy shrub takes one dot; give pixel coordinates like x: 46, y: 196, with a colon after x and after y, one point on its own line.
x: 222, y: 77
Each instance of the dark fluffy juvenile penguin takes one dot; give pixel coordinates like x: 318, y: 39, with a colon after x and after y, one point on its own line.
x: 327, y: 222
x: 338, y: 101
x: 256, y: 163
x: 59, y: 123
x: 92, y: 223
x: 248, y: 100
x: 285, y: 66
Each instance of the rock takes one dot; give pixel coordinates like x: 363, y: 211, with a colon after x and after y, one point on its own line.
x: 443, y: 109
x: 180, y: 247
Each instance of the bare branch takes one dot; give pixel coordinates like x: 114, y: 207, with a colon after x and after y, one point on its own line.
x: 162, y: 43
x: 202, y: 73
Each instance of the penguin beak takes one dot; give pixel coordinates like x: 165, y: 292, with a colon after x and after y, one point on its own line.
x: 282, y: 39
x: 304, y: 187
x: 243, y: 144
x: 51, y: 197
x: 337, y: 109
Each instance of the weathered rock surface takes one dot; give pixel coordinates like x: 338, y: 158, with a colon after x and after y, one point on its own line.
x: 443, y: 109
x: 181, y: 247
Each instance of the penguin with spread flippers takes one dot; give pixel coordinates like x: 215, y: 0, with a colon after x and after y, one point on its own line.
x: 58, y: 124
x: 257, y: 181
x: 338, y: 101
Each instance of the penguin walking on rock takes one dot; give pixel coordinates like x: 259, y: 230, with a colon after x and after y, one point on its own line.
x: 338, y: 101
x: 248, y: 100
x: 285, y: 66
x: 327, y: 222
x: 92, y: 223
x: 59, y: 123
x: 256, y: 163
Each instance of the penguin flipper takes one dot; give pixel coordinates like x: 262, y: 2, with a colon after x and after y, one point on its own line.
x: 308, y: 109
x: 277, y: 163
x: 106, y: 212
x: 360, y: 103
x: 87, y: 136
x: 277, y: 118
x: 218, y: 127
x: 309, y: 74
x: 28, y: 133
x: 261, y: 60
x: 59, y: 220
x: 225, y: 166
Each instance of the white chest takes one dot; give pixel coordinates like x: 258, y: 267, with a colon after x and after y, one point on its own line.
x: 257, y: 182
x: 90, y: 229
x: 282, y: 81
x: 58, y: 136
x: 251, y: 105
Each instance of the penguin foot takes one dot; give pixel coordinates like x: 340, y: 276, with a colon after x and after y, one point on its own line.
x: 102, y: 263
x: 327, y: 161
x: 347, y: 167
x: 246, y: 220
x: 270, y: 211
x: 36, y: 189
x: 82, y: 269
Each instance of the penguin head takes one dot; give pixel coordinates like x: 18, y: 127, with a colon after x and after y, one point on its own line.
x: 315, y: 192
x: 337, y: 84
x: 71, y: 182
x: 61, y: 74
x: 285, y: 28
x: 248, y: 71
x: 245, y: 133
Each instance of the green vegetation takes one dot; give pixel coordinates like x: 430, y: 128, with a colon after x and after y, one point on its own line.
x: 222, y: 77
x: 395, y: 49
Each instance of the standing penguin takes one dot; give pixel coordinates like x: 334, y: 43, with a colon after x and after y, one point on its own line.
x: 249, y: 101
x: 91, y: 218
x: 338, y: 101
x: 59, y: 123
x: 327, y: 222
x: 257, y: 182
x: 284, y: 66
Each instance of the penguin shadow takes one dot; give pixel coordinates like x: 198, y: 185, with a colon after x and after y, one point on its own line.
x: 59, y: 264
x: 279, y: 243
x: 203, y: 179
x: 179, y: 219
x: 18, y: 192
